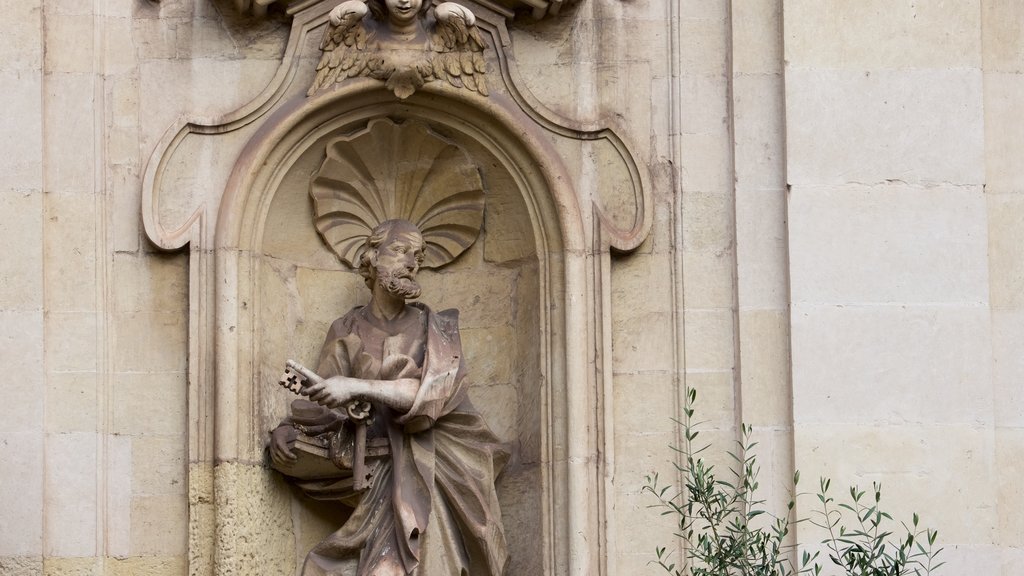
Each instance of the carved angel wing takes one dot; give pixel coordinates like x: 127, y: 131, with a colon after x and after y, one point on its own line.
x: 343, y: 45
x: 458, y: 48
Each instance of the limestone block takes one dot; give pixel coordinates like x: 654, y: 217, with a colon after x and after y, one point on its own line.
x: 134, y: 396
x: 255, y: 534
x: 159, y: 465
x: 643, y: 404
x: 946, y: 473
x: 150, y: 341
x: 21, y: 346
x: 716, y: 399
x: 520, y: 501
x: 56, y: 566
x: 642, y: 342
x: 71, y: 401
x: 703, y: 98
x: 484, y: 298
x: 498, y: 404
x: 1004, y: 131
x: 756, y: 37
x: 704, y: 40
x: 215, y: 87
x: 21, y: 499
x: 639, y: 454
x: 21, y: 135
x: 1001, y: 36
x: 762, y: 249
x: 21, y: 35
x: 1006, y: 250
x: 71, y: 341
x: 640, y: 283
x: 115, y: 9
x: 69, y: 146
x: 705, y: 9
x: 489, y: 354
x: 21, y: 270
x: 708, y: 278
x: 69, y: 43
x: 640, y: 528
x: 708, y: 221
x: 156, y: 38
x: 547, y: 73
x: 165, y: 9
x: 710, y: 339
x: 159, y: 525
x: 69, y: 8
x: 69, y: 249
x: 851, y: 126
x: 69, y: 516
x: 119, y: 45
x: 150, y: 283
x: 122, y: 94
x: 21, y: 565
x: 1012, y: 560
x: 118, y: 511
x: 774, y: 451
x: 877, y: 34
x: 759, y: 108
x: 125, y: 186
x: 888, y: 244
x: 146, y: 566
x: 764, y: 345
x: 1008, y: 367
x: 1009, y: 448
x: 894, y: 364
x: 973, y: 559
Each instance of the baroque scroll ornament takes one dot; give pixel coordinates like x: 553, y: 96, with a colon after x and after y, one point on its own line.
x: 395, y: 171
x: 404, y: 43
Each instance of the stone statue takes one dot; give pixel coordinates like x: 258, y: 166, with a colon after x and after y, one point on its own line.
x: 403, y: 43
x: 388, y: 428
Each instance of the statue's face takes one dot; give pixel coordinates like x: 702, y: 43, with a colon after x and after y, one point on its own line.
x: 398, y: 260
x: 403, y: 12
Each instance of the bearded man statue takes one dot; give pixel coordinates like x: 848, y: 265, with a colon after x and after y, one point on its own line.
x: 424, y: 503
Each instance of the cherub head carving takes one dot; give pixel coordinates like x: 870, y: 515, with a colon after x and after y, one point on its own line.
x: 397, y: 42
x: 400, y: 13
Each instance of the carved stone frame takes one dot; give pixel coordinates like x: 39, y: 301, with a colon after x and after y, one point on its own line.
x: 574, y: 235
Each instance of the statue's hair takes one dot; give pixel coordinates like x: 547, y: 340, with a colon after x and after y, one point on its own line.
x: 380, y: 11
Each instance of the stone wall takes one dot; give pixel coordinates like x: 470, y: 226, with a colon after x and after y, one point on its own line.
x: 837, y: 258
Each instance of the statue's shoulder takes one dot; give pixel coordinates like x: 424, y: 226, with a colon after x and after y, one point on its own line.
x: 446, y: 320
x: 343, y: 325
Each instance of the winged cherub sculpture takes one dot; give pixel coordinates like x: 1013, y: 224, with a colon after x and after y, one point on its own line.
x: 403, y: 43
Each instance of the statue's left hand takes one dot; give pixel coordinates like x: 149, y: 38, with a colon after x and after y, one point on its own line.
x: 334, y: 392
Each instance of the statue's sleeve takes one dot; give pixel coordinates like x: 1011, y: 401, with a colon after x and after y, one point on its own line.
x: 442, y: 387
x: 334, y: 357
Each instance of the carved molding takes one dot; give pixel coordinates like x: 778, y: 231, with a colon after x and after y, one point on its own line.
x: 537, y: 8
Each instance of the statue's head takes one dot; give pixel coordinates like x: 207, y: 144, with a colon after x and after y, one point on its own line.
x: 391, y: 257
x: 400, y: 12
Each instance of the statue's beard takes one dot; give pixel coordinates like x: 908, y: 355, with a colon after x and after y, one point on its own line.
x: 397, y: 285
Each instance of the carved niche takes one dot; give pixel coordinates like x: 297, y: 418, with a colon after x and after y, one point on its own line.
x: 264, y: 285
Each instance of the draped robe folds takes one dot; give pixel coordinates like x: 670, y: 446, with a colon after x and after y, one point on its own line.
x: 431, y: 508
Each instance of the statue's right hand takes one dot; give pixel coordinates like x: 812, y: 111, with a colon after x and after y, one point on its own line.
x: 281, y: 441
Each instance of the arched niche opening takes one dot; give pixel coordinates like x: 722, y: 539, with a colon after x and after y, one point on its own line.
x: 279, y: 288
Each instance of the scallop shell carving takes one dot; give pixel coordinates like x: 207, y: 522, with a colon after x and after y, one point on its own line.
x: 395, y: 171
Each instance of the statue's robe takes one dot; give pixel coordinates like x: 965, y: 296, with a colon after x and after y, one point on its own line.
x: 431, y: 508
